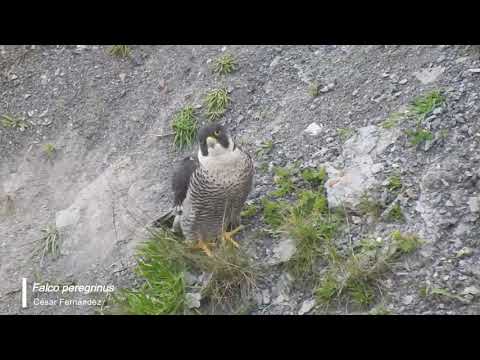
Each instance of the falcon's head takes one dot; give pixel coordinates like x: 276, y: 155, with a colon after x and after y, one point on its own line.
x: 215, y: 140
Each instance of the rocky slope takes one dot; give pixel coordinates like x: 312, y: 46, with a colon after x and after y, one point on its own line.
x: 109, y: 175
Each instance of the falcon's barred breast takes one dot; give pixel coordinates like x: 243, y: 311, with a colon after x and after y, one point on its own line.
x: 211, y: 187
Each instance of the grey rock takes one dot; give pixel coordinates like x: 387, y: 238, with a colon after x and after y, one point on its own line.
x: 346, y: 185
x: 428, y: 145
x: 474, y: 204
x: 43, y: 79
x: 192, y: 300
x: 275, y: 61
x: 471, y: 290
x: 475, y: 71
x: 307, y: 306
x: 464, y: 252
x: 313, y: 129
x: 266, y: 296
x: 428, y: 76
x: 407, y: 300
x: 189, y: 278
x: 356, y: 220
x: 327, y: 88
x: 403, y: 81
x: 283, y: 251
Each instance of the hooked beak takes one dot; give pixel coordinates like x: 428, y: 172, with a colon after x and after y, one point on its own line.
x: 211, y: 142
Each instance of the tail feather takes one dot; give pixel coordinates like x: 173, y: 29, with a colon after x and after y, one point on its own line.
x: 166, y: 220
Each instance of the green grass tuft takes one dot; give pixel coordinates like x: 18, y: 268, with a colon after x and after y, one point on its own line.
x: 225, y: 64
x: 273, y: 212
x: 419, y: 136
x: 425, y: 104
x: 249, y: 211
x: 394, y: 183
x: 163, y: 288
x: 265, y: 148
x: 9, y: 121
x: 395, y: 214
x: 405, y: 243
x: 217, y: 101
x: 316, y: 177
x: 283, y: 180
x: 185, y: 126
x: 354, y: 276
x: 161, y: 264
x: 370, y: 206
x: 328, y: 288
x: 313, y: 233
x: 122, y: 51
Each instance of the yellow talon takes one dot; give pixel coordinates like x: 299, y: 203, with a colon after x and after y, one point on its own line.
x: 228, y: 236
x: 202, y: 246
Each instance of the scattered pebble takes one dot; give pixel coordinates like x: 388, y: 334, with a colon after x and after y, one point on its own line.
x: 313, y: 129
x: 307, y: 306
x: 471, y: 290
x: 407, y: 300
x: 192, y: 300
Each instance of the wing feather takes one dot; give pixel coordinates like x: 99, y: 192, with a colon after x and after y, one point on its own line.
x: 181, y: 179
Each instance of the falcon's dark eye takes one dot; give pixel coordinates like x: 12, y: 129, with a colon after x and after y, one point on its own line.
x: 216, y: 132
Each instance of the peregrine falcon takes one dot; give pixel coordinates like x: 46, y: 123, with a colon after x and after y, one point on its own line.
x: 210, y: 189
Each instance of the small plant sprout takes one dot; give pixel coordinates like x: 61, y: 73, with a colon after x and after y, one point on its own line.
x: 419, y: 136
x: 314, y: 89
x: 395, y: 213
x: 405, y: 243
x: 345, y: 133
x: 394, y: 183
x: 392, y: 120
x: 121, y: 51
x: 216, y: 102
x: 315, y: 177
x: 49, y: 150
x: 9, y: 121
x: 273, y: 212
x: 265, y: 148
x: 225, y: 64
x: 249, y: 211
x: 370, y: 206
x: 425, y: 104
x: 185, y: 127
x: 48, y: 244
x: 284, y: 182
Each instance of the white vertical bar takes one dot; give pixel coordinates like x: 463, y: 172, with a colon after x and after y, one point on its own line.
x: 24, y: 292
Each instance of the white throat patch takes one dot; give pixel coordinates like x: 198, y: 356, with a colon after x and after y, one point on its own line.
x: 219, y: 157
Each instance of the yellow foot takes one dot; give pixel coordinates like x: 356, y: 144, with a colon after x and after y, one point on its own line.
x: 228, y: 236
x: 202, y: 246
